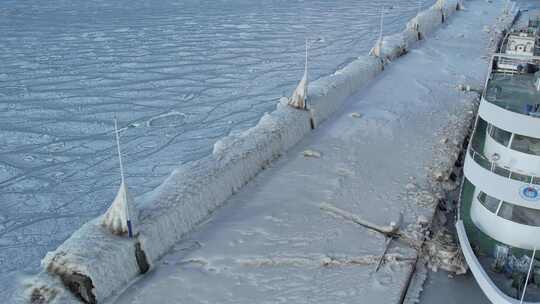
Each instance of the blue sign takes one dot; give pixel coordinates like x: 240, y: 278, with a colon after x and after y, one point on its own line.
x: 529, y: 193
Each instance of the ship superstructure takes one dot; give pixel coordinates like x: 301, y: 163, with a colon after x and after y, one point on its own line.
x: 499, y: 216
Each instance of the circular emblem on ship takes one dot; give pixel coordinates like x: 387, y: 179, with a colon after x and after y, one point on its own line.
x: 530, y: 193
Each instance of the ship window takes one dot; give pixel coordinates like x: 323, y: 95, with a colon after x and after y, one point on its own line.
x: 489, y: 202
x: 499, y: 135
x: 526, y: 144
x: 502, y: 171
x: 520, y: 215
x: 521, y: 177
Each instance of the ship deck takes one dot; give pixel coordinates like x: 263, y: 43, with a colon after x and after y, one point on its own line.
x: 514, y: 92
x: 484, y: 247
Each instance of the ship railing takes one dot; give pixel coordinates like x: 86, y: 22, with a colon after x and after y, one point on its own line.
x: 509, y: 64
x: 513, y: 107
x: 502, y: 171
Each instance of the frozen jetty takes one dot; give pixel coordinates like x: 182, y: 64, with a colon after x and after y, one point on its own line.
x: 340, y: 211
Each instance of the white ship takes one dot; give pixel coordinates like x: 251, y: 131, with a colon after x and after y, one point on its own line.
x: 498, y: 222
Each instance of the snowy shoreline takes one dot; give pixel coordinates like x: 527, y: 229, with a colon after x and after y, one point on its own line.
x: 191, y: 193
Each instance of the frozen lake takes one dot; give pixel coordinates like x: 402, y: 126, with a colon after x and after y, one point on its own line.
x: 178, y: 75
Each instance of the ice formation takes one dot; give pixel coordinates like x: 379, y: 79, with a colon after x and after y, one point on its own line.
x: 443, y: 252
x: 327, y: 94
x: 389, y: 47
x: 389, y: 230
x: 119, y: 218
x: 299, y: 96
x: 312, y: 153
x: 194, y: 190
x: 393, y: 46
x: 107, y: 260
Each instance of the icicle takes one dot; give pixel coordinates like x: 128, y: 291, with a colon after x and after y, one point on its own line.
x: 299, y: 96
x: 120, y: 216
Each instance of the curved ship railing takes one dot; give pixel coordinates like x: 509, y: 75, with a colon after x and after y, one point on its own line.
x: 502, y: 171
x: 490, y: 289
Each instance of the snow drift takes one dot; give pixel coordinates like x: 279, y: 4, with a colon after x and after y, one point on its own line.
x: 95, y: 264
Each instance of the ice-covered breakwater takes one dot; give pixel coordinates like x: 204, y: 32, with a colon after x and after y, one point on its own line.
x: 178, y: 75
x: 105, y: 263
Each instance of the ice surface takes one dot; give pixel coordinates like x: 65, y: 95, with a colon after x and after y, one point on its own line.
x: 178, y: 74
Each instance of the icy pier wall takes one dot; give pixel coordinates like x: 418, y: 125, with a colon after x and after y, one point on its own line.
x: 327, y: 94
x: 426, y: 22
x: 95, y: 265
